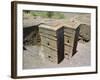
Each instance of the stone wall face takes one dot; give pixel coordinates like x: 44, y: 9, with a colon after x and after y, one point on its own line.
x: 31, y: 35
x: 85, y: 32
x: 70, y: 41
x: 52, y: 42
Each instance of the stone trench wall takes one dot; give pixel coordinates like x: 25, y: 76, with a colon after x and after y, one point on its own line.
x: 31, y: 36
x: 85, y: 32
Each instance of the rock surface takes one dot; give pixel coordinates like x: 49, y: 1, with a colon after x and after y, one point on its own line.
x: 32, y: 58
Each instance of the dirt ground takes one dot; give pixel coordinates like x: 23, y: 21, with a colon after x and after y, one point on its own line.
x: 32, y: 59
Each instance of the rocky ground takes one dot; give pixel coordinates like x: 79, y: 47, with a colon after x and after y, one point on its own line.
x: 32, y: 59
